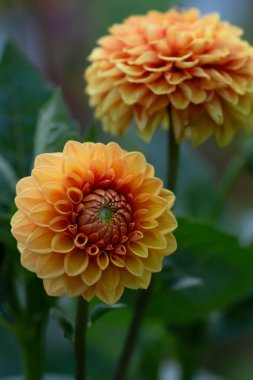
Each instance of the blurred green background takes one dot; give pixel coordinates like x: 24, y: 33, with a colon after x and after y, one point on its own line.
x: 57, y: 37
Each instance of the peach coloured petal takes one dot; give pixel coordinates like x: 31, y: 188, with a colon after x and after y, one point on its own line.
x: 75, y: 262
x: 22, y: 228
x: 145, y: 280
x: 42, y: 214
x: 53, y: 192
x: 58, y: 224
x: 24, y: 183
x: 50, y: 266
x: 76, y: 150
x: 40, y: 240
x: 74, y: 165
x: 45, y: 174
x: 28, y: 260
x: 75, y: 195
x: 63, y: 207
x: 28, y: 198
x: 48, y: 159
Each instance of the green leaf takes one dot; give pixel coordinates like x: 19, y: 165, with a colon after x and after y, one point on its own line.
x: 55, y: 126
x: 220, y: 269
x: 8, y: 181
x: 101, y: 309
x: 64, y: 323
x: 22, y: 92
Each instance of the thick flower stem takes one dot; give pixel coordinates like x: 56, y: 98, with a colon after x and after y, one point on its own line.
x: 80, y: 339
x: 173, y: 157
x: 132, y: 334
x: 31, y: 354
x: 144, y: 295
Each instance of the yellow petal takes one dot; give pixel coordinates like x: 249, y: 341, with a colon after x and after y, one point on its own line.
x: 138, y: 248
x: 50, y: 266
x: 76, y: 262
x: 74, y: 286
x: 167, y: 222
x: 62, y: 243
x: 40, y: 240
x: 92, y: 274
x: 134, y: 265
x: 109, y: 296
x: 153, y: 262
x: 171, y: 246
x: 110, y: 278
x: 145, y: 280
x: 128, y: 280
x: 54, y: 286
x: 154, y: 239
x: 102, y: 260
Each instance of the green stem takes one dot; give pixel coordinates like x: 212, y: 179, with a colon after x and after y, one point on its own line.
x: 32, y: 349
x: 232, y: 173
x: 80, y: 338
x: 173, y: 158
x: 131, y: 338
x: 144, y: 295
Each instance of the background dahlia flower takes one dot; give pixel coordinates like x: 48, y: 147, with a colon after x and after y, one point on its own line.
x: 197, y: 67
x: 93, y: 220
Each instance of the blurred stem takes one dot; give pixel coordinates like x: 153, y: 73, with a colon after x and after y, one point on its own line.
x: 144, y: 295
x: 32, y: 353
x: 80, y: 338
x: 173, y: 157
x: 235, y: 167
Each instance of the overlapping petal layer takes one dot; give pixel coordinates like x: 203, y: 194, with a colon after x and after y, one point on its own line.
x: 199, y: 68
x: 93, y: 220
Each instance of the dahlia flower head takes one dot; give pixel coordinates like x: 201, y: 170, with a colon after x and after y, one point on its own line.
x: 93, y: 220
x: 197, y: 68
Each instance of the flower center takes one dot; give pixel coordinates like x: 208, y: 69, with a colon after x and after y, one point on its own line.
x: 104, y: 217
x: 106, y: 214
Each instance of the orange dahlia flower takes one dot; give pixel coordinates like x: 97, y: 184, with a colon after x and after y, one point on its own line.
x: 93, y: 220
x: 198, y: 67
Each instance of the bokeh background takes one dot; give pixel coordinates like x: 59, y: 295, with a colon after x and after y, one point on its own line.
x: 57, y: 36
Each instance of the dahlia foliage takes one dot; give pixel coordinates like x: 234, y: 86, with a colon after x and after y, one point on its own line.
x: 197, y: 67
x: 93, y: 220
